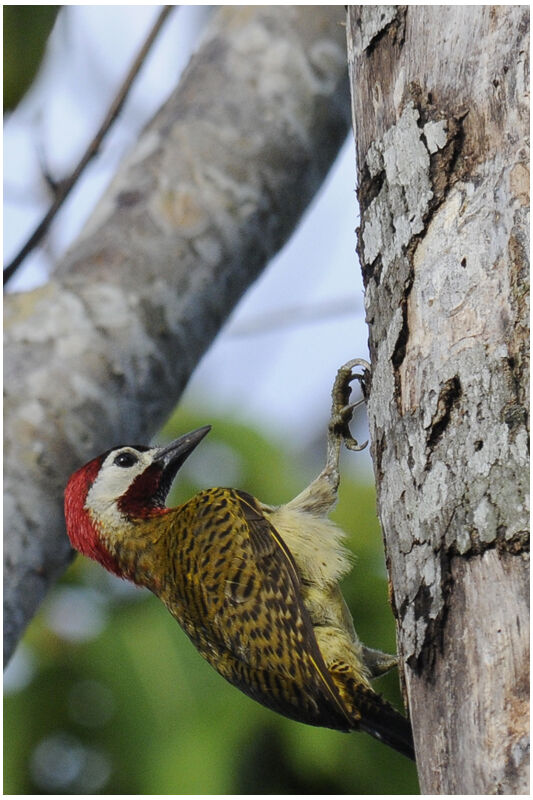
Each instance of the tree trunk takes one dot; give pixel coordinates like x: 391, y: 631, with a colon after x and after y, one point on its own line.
x: 214, y: 187
x: 440, y: 108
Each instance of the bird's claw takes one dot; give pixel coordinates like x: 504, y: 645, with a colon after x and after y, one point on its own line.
x: 342, y: 410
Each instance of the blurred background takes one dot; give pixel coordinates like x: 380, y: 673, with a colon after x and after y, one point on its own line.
x: 105, y: 694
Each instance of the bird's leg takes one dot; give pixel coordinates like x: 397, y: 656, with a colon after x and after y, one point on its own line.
x: 319, y: 497
x: 375, y: 661
x: 378, y: 663
x: 341, y: 415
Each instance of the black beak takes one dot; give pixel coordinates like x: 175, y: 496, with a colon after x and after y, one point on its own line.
x: 151, y: 487
x: 171, y: 456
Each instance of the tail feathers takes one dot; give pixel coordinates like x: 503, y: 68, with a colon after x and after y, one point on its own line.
x: 383, y: 722
x: 371, y: 713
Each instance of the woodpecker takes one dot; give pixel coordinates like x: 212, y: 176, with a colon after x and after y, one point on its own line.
x: 255, y: 587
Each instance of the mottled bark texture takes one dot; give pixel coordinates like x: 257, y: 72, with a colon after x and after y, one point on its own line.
x: 440, y: 107
x: 214, y: 187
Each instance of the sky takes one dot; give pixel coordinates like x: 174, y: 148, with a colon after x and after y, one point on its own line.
x: 303, y: 317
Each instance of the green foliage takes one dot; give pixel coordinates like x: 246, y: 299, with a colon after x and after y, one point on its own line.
x: 135, y: 710
x: 26, y: 30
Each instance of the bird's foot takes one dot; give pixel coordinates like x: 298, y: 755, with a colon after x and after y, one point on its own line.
x: 320, y: 496
x: 342, y: 410
x: 378, y: 663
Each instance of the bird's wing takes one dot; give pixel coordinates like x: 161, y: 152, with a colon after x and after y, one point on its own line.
x: 258, y: 621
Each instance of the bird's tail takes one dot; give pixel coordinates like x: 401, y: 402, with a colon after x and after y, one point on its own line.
x: 383, y: 722
x: 373, y: 714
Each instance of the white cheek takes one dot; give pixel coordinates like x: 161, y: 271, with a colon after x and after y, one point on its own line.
x: 109, y: 486
x: 113, y: 482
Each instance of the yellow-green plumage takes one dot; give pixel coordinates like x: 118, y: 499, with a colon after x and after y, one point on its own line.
x: 255, y: 587
x: 233, y: 585
x: 269, y: 619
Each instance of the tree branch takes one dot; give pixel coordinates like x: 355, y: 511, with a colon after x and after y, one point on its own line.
x: 214, y: 187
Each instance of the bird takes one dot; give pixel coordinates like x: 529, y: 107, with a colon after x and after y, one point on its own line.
x: 255, y: 587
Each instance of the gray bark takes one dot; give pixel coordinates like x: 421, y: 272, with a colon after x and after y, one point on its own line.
x: 440, y: 108
x: 214, y: 187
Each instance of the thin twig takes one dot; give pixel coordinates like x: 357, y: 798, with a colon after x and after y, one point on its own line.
x: 295, y: 316
x: 65, y: 186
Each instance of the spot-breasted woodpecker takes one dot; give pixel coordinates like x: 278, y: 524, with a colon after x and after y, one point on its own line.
x: 255, y: 587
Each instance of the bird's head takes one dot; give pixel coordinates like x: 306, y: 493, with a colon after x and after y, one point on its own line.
x: 110, y: 495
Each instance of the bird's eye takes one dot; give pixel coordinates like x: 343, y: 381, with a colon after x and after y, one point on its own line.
x: 125, y: 460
